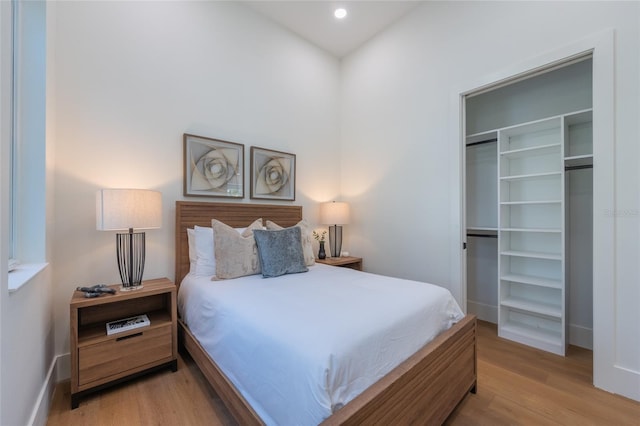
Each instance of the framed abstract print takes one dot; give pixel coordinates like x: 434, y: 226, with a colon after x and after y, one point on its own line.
x: 213, y: 167
x: 273, y: 175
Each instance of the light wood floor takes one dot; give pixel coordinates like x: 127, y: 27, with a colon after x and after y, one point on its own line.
x: 517, y: 385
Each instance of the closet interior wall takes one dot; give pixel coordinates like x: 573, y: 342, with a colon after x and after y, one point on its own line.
x: 529, y: 208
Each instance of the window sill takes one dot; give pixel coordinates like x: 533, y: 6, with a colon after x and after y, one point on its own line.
x: 23, y: 274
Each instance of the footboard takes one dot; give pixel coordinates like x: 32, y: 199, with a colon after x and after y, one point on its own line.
x: 425, y: 388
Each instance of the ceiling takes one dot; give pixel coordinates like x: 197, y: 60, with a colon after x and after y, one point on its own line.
x: 314, y: 20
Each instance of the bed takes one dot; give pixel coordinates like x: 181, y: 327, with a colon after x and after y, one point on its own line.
x: 424, y: 388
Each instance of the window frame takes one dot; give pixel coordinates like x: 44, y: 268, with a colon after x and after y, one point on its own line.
x: 13, y: 135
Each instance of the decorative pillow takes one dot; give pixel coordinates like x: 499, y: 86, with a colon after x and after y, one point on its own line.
x: 236, y: 254
x: 280, y: 252
x: 305, y: 238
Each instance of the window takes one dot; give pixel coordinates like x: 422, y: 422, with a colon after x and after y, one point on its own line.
x: 24, y: 136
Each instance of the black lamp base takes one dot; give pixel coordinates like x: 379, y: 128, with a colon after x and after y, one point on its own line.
x: 131, y: 256
x: 335, y: 240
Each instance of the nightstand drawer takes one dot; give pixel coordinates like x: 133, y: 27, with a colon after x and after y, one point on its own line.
x: 122, y: 354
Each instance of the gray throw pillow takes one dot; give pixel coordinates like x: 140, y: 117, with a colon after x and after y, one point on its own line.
x: 280, y: 252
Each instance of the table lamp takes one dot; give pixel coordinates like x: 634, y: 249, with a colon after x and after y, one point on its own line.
x: 120, y: 209
x: 335, y: 214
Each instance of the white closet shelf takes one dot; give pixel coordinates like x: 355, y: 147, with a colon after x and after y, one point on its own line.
x: 544, y: 230
x: 546, y: 336
x: 532, y: 254
x: 579, y: 160
x: 527, y: 305
x: 532, y: 176
x: 580, y: 117
x: 481, y: 228
x: 521, y: 203
x: 537, y: 281
x: 533, y: 150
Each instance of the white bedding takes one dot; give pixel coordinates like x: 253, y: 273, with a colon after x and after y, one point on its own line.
x: 300, y: 346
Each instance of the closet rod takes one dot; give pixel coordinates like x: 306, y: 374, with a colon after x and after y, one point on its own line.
x: 482, y: 235
x: 481, y: 142
x: 583, y: 166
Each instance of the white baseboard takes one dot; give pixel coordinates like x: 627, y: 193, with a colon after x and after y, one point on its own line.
x: 40, y: 411
x: 581, y: 336
x: 483, y: 311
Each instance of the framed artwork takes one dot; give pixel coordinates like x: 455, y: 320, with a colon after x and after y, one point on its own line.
x: 213, y: 168
x: 273, y: 175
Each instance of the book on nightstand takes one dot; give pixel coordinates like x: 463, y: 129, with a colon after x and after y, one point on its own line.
x: 127, y: 324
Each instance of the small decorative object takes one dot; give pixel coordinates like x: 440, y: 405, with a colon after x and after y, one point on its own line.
x: 273, y: 175
x: 320, y: 238
x: 321, y: 253
x: 213, y: 168
x: 96, y: 290
x: 335, y: 214
x: 129, y: 209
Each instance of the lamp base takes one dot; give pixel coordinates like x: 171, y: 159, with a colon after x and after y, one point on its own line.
x: 130, y: 255
x: 335, y: 240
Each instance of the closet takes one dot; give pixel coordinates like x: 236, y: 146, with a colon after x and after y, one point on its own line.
x: 528, y: 191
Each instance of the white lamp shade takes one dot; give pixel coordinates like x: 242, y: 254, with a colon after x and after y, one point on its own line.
x: 334, y: 213
x: 118, y: 209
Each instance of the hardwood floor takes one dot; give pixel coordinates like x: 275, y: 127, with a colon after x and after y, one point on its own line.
x: 517, y: 385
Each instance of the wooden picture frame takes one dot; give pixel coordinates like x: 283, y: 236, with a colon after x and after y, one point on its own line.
x: 273, y: 175
x: 213, y: 167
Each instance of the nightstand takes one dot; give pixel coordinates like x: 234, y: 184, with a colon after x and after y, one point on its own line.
x: 99, y: 360
x: 345, y: 262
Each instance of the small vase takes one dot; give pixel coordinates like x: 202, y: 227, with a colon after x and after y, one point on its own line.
x: 321, y: 252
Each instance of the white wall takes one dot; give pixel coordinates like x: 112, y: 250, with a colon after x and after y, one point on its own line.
x: 132, y: 77
x: 397, y: 121
x: 26, y: 315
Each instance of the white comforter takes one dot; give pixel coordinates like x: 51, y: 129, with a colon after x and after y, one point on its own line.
x: 300, y: 346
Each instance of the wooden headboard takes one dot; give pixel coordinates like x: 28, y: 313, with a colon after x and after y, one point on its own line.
x: 237, y: 215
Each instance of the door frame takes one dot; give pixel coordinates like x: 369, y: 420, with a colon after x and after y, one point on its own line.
x: 601, y: 46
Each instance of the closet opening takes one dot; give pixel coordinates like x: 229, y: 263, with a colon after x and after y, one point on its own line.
x: 528, y: 206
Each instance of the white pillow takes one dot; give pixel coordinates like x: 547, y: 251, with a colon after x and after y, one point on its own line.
x: 205, y: 265
x: 191, y: 237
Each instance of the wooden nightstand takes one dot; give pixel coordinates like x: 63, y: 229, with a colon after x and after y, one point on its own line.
x: 345, y: 261
x: 99, y: 360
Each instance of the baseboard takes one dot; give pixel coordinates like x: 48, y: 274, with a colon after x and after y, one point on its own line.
x: 483, y: 311
x: 581, y: 336
x: 40, y: 411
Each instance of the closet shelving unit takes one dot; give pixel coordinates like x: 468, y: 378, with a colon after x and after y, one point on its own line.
x: 517, y: 206
x: 532, y: 160
x: 531, y: 234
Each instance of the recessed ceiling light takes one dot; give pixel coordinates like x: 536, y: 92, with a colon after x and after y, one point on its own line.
x: 340, y: 13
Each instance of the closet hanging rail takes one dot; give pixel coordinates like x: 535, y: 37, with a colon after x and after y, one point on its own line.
x: 483, y: 142
x: 582, y: 166
x: 482, y: 235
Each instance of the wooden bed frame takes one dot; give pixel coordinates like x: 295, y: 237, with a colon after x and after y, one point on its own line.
x: 424, y: 389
